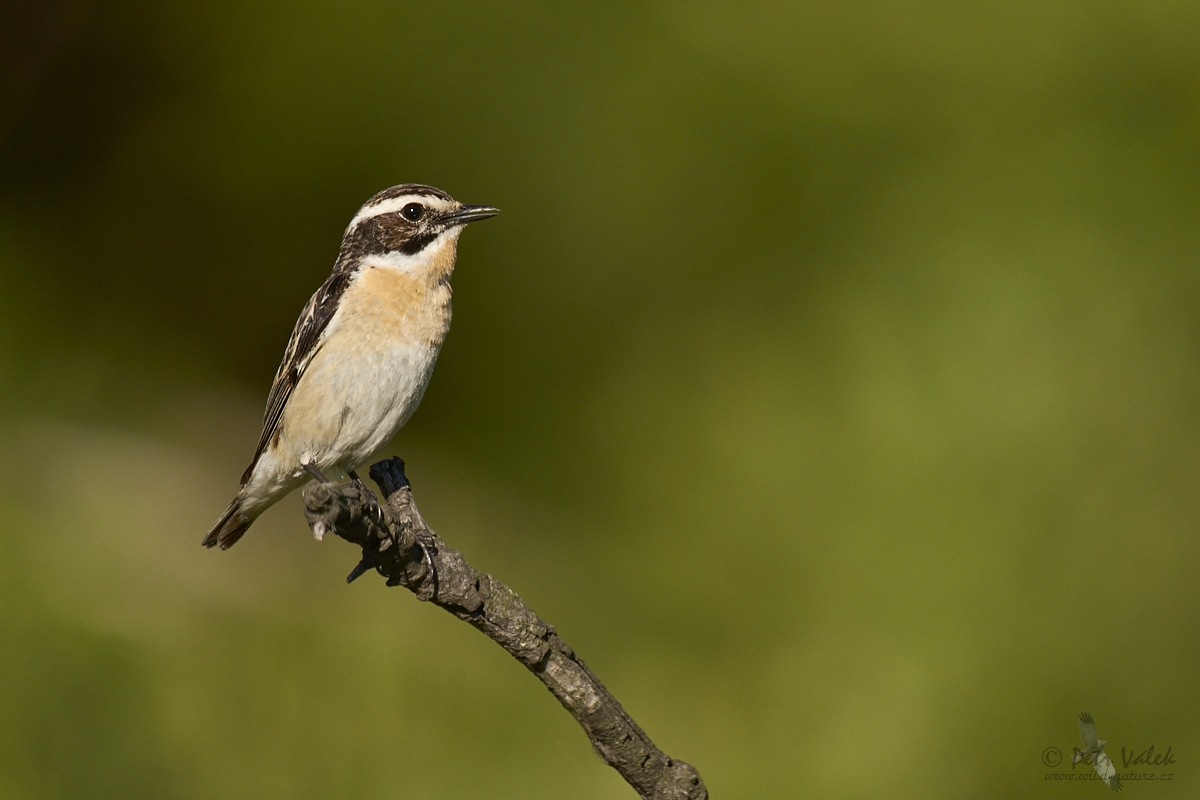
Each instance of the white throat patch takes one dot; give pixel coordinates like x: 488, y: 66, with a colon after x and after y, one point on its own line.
x: 417, y: 262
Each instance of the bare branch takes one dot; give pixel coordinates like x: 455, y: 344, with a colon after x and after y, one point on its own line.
x: 398, y: 544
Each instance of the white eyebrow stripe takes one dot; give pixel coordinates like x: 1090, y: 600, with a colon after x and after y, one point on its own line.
x: 392, y: 205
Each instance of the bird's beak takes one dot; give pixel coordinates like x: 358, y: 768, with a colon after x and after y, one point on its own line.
x: 465, y: 214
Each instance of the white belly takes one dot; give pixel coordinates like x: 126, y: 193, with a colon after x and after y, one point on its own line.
x: 349, y: 404
x: 345, y: 408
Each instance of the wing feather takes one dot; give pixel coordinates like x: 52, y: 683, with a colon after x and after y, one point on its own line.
x: 1087, y: 731
x: 1107, y: 772
x: 306, y: 340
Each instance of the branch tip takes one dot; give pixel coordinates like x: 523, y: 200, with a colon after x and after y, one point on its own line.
x: 435, y: 572
x: 389, y: 474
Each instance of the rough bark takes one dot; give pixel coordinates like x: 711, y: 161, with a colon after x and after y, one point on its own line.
x: 397, y: 543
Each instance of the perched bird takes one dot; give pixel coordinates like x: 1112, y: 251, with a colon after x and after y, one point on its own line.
x: 363, y: 349
x: 1093, y: 753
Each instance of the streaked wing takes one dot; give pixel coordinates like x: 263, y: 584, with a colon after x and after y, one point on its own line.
x: 305, y: 342
x: 1087, y: 730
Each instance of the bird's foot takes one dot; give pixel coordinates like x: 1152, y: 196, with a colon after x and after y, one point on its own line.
x: 368, y: 495
x: 428, y: 548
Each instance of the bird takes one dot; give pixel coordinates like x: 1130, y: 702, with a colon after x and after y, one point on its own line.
x: 362, y: 352
x: 1093, y: 753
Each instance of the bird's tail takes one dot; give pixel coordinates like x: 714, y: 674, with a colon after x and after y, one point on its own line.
x: 229, y: 527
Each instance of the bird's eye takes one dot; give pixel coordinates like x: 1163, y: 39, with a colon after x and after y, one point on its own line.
x: 413, y: 212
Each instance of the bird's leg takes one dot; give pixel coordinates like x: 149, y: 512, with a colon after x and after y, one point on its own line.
x: 311, y: 469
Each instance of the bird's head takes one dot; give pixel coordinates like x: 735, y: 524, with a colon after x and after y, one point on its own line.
x: 409, y: 224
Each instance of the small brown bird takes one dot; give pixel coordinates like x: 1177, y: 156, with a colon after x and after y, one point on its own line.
x: 363, y: 349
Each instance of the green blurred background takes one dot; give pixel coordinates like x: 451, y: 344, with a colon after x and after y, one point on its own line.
x: 831, y: 380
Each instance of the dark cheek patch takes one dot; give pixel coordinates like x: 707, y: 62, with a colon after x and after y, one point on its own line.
x: 418, y: 243
x: 384, y: 234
